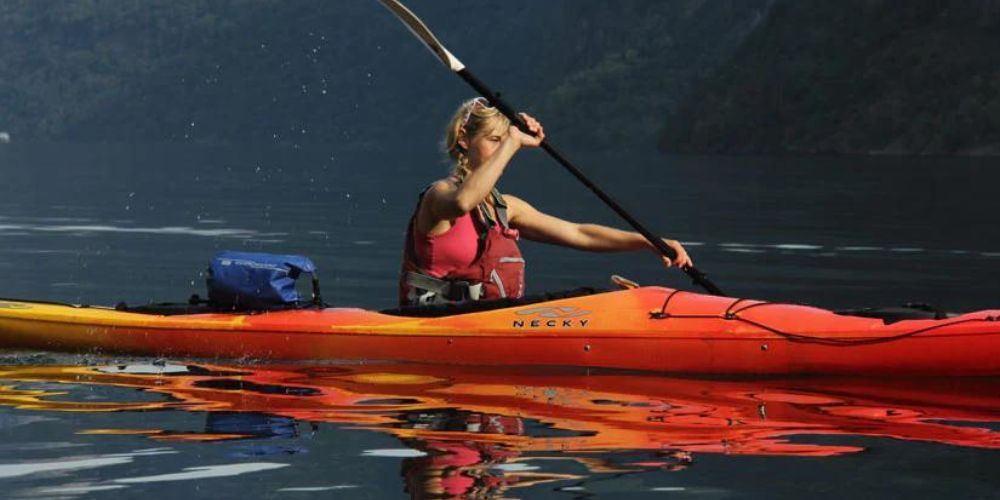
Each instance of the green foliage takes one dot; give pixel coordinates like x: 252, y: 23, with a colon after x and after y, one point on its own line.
x: 857, y: 76
x: 726, y: 76
x: 637, y: 60
x: 243, y: 70
x: 347, y: 72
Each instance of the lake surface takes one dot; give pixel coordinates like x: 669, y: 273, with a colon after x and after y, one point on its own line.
x: 100, y: 224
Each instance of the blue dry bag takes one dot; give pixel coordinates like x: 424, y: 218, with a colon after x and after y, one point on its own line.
x: 243, y: 280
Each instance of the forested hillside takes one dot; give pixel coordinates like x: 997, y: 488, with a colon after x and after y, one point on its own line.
x: 855, y: 76
x: 723, y: 76
x: 347, y: 72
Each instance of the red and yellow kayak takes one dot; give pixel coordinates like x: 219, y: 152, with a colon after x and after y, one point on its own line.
x: 647, y: 328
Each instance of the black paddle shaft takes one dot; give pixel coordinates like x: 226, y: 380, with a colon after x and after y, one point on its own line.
x: 697, y: 276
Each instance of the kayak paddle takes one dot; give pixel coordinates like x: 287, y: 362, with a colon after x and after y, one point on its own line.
x: 421, y: 31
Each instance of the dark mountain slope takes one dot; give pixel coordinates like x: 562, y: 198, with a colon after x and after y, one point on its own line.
x: 857, y: 76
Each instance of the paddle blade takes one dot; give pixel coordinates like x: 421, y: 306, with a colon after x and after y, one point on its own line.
x: 421, y: 31
x: 623, y: 282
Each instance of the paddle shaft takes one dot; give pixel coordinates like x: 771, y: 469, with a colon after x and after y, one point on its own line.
x: 697, y: 276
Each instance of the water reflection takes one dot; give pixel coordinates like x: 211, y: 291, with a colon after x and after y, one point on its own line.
x: 478, y: 432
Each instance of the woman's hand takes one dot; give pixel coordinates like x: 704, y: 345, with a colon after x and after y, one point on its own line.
x: 528, y: 140
x: 682, y: 260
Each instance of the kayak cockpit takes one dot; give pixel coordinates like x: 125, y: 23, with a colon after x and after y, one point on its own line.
x: 893, y: 314
x: 452, y: 309
x: 197, y: 306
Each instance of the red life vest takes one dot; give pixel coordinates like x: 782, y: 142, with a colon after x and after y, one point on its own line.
x: 497, y: 271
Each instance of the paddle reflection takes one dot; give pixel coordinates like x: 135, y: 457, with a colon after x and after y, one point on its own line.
x: 481, y: 432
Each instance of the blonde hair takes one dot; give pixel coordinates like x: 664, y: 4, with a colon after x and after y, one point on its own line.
x: 471, y: 118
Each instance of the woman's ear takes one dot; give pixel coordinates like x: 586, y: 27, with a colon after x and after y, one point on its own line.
x: 462, y: 143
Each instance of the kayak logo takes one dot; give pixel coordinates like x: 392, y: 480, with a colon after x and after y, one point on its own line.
x: 552, y: 317
x: 13, y: 305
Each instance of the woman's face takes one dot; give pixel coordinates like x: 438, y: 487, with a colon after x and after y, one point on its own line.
x: 483, y: 145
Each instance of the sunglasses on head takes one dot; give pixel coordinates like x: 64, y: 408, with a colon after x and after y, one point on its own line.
x: 479, y: 102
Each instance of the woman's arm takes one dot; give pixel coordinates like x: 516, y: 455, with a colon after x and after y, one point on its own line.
x: 447, y: 200
x: 537, y: 226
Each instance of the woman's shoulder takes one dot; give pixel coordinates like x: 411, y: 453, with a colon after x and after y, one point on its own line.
x: 441, y: 186
x: 517, y: 207
x: 513, y: 201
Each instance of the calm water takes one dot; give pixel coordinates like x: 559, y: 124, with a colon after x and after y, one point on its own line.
x: 102, y: 224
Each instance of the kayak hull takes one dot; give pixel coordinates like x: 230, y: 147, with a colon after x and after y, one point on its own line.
x: 650, y: 328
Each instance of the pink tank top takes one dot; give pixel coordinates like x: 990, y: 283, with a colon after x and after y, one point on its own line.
x: 455, y: 249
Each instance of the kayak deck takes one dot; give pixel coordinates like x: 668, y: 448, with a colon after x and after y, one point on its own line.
x: 648, y: 328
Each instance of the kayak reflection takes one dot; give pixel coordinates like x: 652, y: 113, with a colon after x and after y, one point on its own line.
x: 482, y: 432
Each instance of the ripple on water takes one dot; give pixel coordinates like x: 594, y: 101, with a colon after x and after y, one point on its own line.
x: 743, y: 250
x: 205, y: 472
x: 79, y: 489
x: 38, y: 445
x: 85, y: 229
x: 796, y: 246
x: 312, y: 489
x: 860, y: 249
x: 394, y: 453
x: 65, y: 464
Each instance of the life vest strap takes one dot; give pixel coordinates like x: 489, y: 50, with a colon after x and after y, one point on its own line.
x: 433, y: 290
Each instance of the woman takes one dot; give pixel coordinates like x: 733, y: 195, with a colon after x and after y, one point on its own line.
x: 461, y: 243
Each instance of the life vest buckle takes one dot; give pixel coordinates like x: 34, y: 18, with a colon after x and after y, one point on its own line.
x: 457, y: 291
